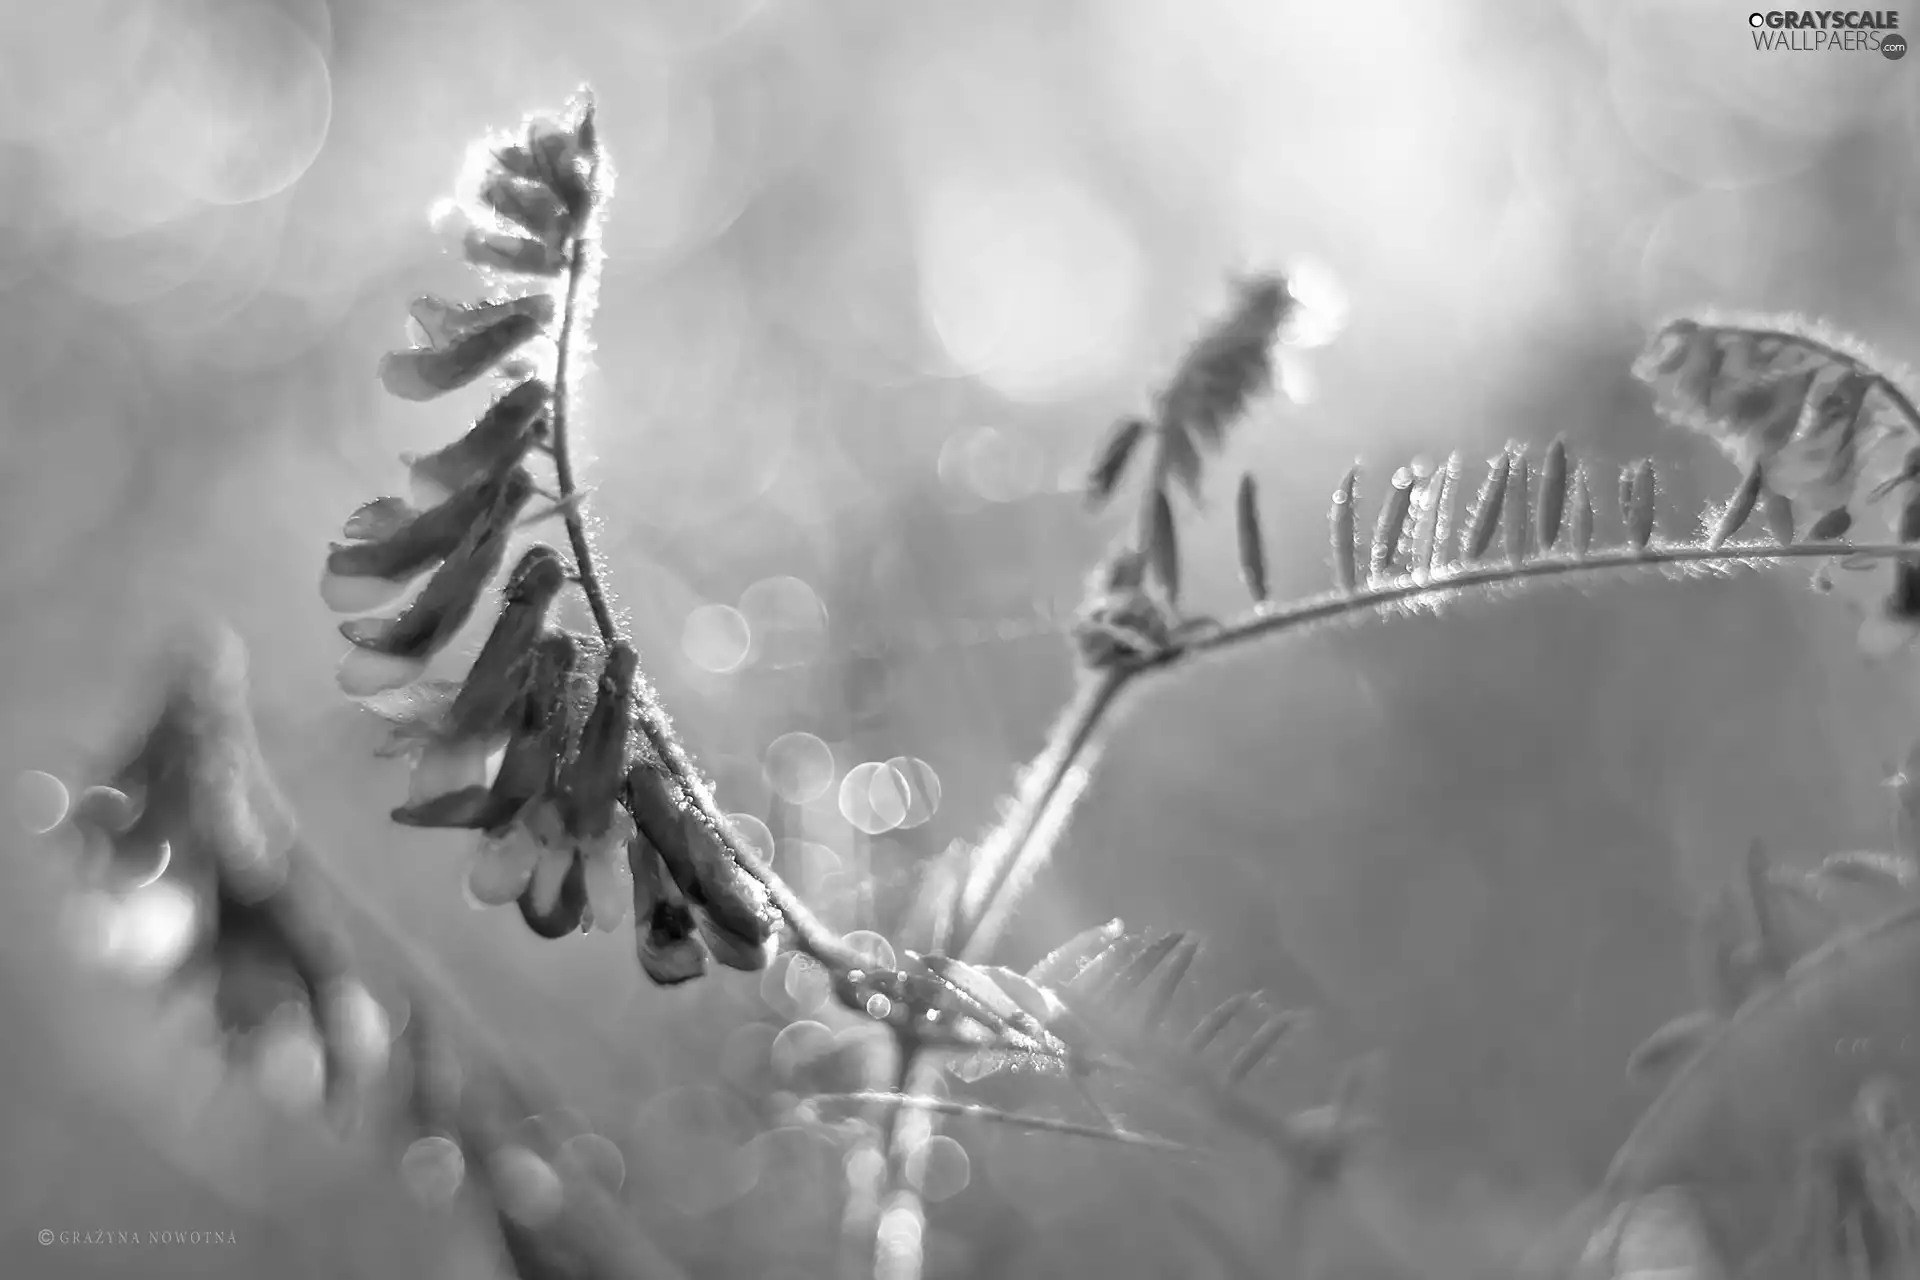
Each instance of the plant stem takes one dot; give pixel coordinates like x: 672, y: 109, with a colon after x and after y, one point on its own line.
x: 1265, y: 621
x: 579, y: 262
x: 811, y: 936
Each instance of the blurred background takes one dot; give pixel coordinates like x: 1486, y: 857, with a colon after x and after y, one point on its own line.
x: 879, y: 275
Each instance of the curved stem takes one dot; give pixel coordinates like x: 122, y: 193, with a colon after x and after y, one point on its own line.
x: 579, y: 263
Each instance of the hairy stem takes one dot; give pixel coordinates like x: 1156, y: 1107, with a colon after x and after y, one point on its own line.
x: 1264, y: 622
x: 579, y: 264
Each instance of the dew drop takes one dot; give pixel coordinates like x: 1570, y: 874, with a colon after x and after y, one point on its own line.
x: 432, y: 1170
x: 40, y: 801
x: 716, y: 638
x: 799, y: 767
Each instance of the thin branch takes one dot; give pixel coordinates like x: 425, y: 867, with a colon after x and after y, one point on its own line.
x: 1264, y: 622
x: 579, y: 263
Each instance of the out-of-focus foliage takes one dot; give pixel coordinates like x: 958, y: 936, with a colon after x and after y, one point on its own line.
x: 878, y: 278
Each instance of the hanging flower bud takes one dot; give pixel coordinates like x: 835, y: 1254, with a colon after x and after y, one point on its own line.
x: 500, y: 439
x: 423, y: 373
x: 554, y: 903
x: 368, y: 573
x: 583, y: 815
x: 738, y: 921
x: 666, y: 937
x: 389, y: 652
x: 444, y: 323
x: 454, y: 732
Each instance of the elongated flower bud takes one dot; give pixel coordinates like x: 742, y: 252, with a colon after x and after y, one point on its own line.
x: 499, y: 440
x: 364, y: 574
x: 592, y: 782
x: 498, y: 678
x: 443, y: 605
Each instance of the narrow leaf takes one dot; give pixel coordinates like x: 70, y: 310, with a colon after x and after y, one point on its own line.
x: 1486, y: 509
x: 1581, y: 533
x: 1518, y: 520
x: 1168, y: 981
x: 1181, y: 457
x: 1639, y: 511
x: 1738, y: 510
x: 976, y: 1111
x: 1256, y: 1050
x: 1391, y: 524
x: 1343, y: 525
x: 1551, y: 513
x: 1163, y: 547
x: 1433, y: 522
x: 1058, y: 966
x: 1867, y: 868
x: 1253, y: 551
x: 1209, y: 1028
x: 1832, y: 526
x: 1110, y: 463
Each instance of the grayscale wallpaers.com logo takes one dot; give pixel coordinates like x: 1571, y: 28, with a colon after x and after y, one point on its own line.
x: 1823, y: 31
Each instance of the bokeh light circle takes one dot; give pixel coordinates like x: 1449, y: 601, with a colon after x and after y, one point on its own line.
x: 716, y: 638
x: 799, y: 767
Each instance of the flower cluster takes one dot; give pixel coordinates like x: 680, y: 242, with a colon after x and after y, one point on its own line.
x: 542, y: 749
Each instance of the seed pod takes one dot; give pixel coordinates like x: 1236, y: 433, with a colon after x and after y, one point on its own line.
x: 1832, y: 526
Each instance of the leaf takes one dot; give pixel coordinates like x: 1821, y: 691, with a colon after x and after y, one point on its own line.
x: 1343, y: 523
x: 426, y: 372
x: 513, y: 255
x: 1110, y: 463
x: 1518, y: 521
x: 1160, y: 999
x: 1738, y: 510
x: 1552, y: 506
x: 1581, y: 535
x: 1638, y: 511
x: 1253, y: 551
x: 1672, y: 1044
x: 1163, y: 547
x: 1433, y: 519
x: 1486, y: 508
x: 1391, y: 524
